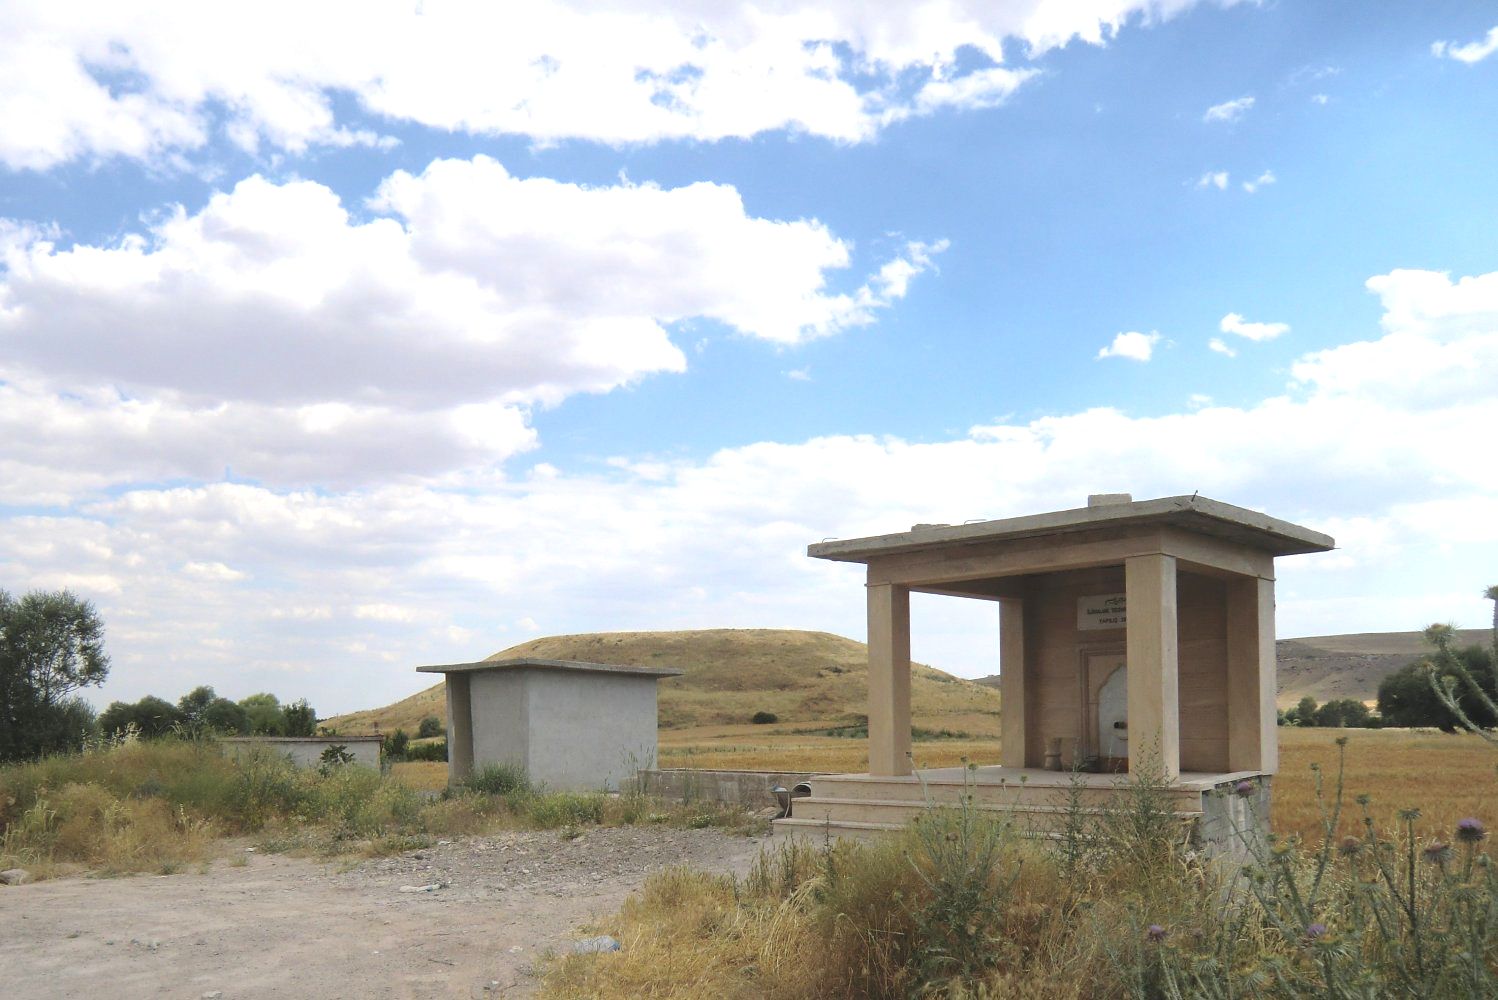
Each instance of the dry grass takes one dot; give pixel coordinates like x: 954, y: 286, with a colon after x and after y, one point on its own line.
x: 421, y: 775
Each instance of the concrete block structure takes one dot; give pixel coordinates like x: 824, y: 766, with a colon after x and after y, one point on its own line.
x: 1133, y: 637
x: 307, y: 751
x: 569, y: 724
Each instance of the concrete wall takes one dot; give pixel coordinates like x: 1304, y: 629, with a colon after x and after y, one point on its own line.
x: 497, y: 707
x: 1055, y: 656
x: 589, y: 730
x: 306, y: 751
x: 569, y: 729
x: 750, y: 789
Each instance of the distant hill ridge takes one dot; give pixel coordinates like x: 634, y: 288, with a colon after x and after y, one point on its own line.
x: 730, y: 675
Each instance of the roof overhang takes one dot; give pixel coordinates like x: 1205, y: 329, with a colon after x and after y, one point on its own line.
x: 1190, y: 513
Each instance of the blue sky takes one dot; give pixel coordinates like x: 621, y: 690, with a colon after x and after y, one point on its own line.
x: 340, y: 341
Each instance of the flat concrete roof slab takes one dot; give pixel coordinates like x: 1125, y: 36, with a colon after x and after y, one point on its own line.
x: 1191, y: 513
x: 532, y: 663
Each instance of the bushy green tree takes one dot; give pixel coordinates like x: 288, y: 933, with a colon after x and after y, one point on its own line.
x: 396, y: 745
x: 1303, y: 714
x: 429, y: 727
x: 151, y: 716
x: 226, y: 718
x: 265, y: 715
x: 301, y: 720
x: 1343, y: 712
x: 51, y: 644
x: 1408, y: 696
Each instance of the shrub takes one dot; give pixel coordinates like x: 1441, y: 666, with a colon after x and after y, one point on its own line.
x: 762, y: 718
x: 560, y: 809
x: 498, y: 779
x: 396, y: 745
x: 427, y: 751
x: 429, y: 727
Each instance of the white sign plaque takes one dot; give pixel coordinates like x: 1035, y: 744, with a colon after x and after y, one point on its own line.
x: 1101, y: 611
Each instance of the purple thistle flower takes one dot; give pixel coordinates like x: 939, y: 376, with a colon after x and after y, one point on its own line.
x: 1470, y: 830
x: 1438, y: 852
x: 1243, y: 789
x: 1350, y: 846
x: 1315, y: 931
x: 1155, y: 933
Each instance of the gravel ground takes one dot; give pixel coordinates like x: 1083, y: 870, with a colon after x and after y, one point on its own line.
x: 465, y: 918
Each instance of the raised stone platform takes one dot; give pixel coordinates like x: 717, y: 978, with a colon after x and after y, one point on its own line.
x: 1037, y: 801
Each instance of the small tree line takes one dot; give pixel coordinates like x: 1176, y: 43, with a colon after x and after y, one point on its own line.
x: 202, y: 712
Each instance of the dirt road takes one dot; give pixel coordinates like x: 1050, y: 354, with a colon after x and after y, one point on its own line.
x: 281, y: 927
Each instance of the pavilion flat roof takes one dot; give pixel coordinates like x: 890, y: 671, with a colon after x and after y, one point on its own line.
x: 531, y: 662
x: 1191, y: 513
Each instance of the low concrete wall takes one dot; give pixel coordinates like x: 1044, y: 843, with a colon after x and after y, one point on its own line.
x: 307, y: 751
x: 751, y: 789
x: 1234, y: 825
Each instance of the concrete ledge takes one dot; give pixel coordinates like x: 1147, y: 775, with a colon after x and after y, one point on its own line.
x: 750, y: 789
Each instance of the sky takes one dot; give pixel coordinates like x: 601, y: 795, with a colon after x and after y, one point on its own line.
x: 340, y: 338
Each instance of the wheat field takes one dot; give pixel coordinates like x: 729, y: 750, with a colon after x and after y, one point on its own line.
x: 1445, y: 776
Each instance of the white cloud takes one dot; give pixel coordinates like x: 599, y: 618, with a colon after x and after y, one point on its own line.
x: 1321, y: 99
x: 1471, y: 52
x: 1263, y: 180
x: 160, y: 78
x: 1229, y: 111
x: 799, y: 374
x: 1213, y: 179
x: 1222, y: 347
x: 1362, y: 445
x: 1132, y: 344
x: 1234, y: 323
x: 275, y: 333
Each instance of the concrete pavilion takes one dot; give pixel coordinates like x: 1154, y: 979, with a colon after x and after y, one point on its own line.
x: 1134, y: 637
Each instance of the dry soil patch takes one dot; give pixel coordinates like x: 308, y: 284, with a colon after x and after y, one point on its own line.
x: 283, y: 927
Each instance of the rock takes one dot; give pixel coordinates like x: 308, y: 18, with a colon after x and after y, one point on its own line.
x: 433, y: 887
x: 213, y: 995
x: 594, y: 945
x: 15, y: 876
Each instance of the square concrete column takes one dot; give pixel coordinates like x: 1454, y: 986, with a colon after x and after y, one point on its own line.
x: 1012, y: 683
x: 459, y: 728
x: 1154, y: 671
x: 1253, y: 741
x: 889, y: 679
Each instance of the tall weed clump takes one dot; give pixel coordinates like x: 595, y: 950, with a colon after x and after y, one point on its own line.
x: 1118, y: 905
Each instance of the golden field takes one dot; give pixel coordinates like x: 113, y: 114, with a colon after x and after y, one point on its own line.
x: 1445, y: 776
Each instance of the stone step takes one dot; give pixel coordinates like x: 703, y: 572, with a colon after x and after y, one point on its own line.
x: 844, y: 787
x: 819, y: 829
x: 1026, y: 817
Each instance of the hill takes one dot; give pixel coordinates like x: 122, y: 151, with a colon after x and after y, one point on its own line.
x: 730, y: 675
x: 1343, y: 666
x: 1351, y: 666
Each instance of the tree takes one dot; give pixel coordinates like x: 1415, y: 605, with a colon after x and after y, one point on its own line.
x: 225, y: 717
x: 1440, y: 690
x: 301, y: 720
x: 151, y: 716
x: 192, y: 708
x: 1343, y: 712
x: 396, y: 745
x: 429, y: 727
x: 51, y: 644
x: 265, y: 715
x: 1303, y: 714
